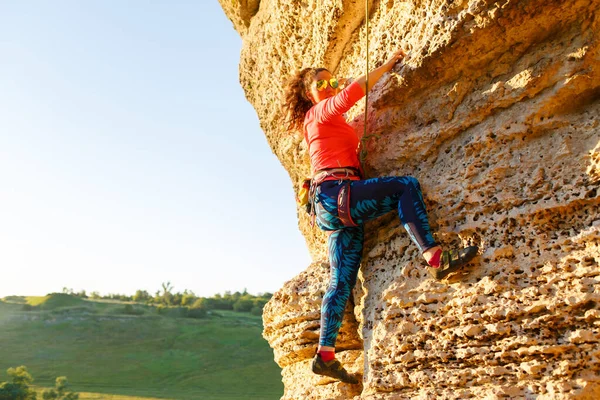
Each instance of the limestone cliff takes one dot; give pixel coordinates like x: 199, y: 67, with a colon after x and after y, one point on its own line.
x: 497, y: 113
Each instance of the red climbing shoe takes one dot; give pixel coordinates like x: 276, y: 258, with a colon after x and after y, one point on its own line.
x: 452, y: 260
x: 332, y: 369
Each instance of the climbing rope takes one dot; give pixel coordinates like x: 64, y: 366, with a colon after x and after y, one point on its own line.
x: 365, y: 137
x: 367, y: 72
x: 363, y: 151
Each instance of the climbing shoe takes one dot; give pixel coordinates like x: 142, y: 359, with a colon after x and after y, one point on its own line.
x: 332, y: 369
x: 452, y: 260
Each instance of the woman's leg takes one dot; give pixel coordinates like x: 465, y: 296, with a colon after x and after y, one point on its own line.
x: 372, y: 198
x: 345, y: 252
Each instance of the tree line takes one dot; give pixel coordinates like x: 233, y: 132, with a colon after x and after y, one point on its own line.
x: 167, y: 297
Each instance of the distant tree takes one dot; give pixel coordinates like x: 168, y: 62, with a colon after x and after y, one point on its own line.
x: 167, y: 296
x: 95, y: 295
x: 18, y: 389
x: 142, y: 296
x: 188, y: 299
x: 224, y: 302
x: 200, y: 303
x: 260, y: 301
x: 209, y: 303
x: 258, y: 305
x: 176, y: 299
x: 244, y: 304
x: 60, y: 391
x: 167, y: 287
x: 197, y: 310
x: 118, y: 296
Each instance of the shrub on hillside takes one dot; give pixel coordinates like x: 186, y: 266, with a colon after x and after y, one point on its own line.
x: 260, y: 302
x: 142, y: 296
x: 206, y: 303
x: 200, y: 303
x: 188, y: 299
x: 243, y: 305
x: 181, y: 312
x: 60, y: 391
x: 256, y: 311
x: 131, y: 310
x: 197, y: 313
x: 172, y: 312
x: 15, y: 299
x: 18, y: 389
x: 224, y: 302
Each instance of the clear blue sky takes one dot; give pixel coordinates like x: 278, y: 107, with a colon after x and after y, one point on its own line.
x: 130, y: 157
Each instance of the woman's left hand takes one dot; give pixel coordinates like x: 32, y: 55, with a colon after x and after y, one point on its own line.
x: 376, y: 74
x: 396, y: 58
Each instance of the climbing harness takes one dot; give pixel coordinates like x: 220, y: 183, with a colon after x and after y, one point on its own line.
x: 343, y: 201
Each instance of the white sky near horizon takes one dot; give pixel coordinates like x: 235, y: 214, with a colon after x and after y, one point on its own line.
x: 129, y: 155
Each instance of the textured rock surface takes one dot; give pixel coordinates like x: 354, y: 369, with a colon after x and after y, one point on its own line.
x: 497, y: 113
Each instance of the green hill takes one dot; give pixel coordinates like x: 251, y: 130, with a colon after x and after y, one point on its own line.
x: 103, y: 350
x: 55, y: 301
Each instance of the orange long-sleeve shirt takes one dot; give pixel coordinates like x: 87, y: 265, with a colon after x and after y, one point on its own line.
x: 332, y: 143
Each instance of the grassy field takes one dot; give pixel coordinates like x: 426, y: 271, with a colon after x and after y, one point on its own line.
x: 104, y: 352
x: 103, y: 396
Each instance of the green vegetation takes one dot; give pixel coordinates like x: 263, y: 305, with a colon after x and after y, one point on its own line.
x: 18, y: 388
x: 111, y: 349
x: 21, y: 388
x: 238, y: 301
x: 60, y: 391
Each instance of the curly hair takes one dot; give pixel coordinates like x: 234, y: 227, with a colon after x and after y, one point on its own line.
x: 295, y: 101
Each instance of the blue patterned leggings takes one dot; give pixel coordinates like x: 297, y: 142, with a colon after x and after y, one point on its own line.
x: 369, y: 199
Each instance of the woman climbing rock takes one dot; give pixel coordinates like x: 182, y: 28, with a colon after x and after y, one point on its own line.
x: 343, y: 200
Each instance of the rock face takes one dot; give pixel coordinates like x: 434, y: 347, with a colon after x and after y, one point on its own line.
x: 497, y: 113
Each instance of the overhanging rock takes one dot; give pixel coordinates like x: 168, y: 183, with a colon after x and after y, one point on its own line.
x: 497, y: 113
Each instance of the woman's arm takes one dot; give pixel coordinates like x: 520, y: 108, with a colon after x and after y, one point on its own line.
x: 344, y: 83
x: 377, y: 73
x: 346, y: 98
x: 338, y: 104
